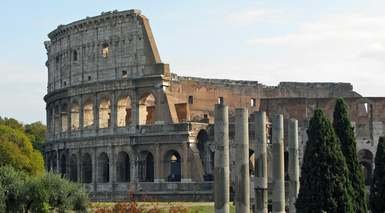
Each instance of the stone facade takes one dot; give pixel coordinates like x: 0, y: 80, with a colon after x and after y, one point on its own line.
x: 122, y: 124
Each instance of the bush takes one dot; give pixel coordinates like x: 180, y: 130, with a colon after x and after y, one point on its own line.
x: 46, y: 193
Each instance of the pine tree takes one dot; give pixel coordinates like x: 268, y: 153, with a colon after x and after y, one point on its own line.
x: 345, y: 134
x: 323, y: 182
x: 377, y: 189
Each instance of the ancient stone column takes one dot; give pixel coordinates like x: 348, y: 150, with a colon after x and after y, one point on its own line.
x: 221, y: 162
x: 242, y: 194
x: 293, y: 164
x: 278, y: 166
x: 260, y: 183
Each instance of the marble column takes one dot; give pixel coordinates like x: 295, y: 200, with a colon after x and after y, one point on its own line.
x: 278, y: 195
x: 221, y: 162
x: 293, y: 164
x: 242, y: 195
x: 260, y: 184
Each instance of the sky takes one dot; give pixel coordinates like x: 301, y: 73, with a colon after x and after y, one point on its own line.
x: 263, y: 40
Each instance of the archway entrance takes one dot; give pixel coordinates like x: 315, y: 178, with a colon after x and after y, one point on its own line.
x: 147, y: 109
x: 174, y: 163
x: 146, y: 167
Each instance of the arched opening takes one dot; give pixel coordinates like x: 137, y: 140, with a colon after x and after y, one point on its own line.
x: 105, y: 113
x: 75, y: 115
x: 251, y: 162
x: 147, y: 109
x: 54, y: 162
x: 103, y: 168
x: 86, y: 168
x: 123, y: 167
x: 146, y: 167
x: 88, y: 114
x: 205, y: 154
x: 73, y: 168
x: 75, y: 55
x: 365, y: 158
x: 286, y: 165
x: 57, y: 120
x: 174, y: 163
x: 124, y: 111
x: 63, y: 165
x: 64, y: 117
x: 105, y: 50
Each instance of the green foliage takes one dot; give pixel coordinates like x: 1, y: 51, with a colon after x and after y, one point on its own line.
x: 377, y: 189
x: 16, y: 150
x: 36, y: 133
x: 345, y: 133
x: 324, y: 181
x: 40, y: 193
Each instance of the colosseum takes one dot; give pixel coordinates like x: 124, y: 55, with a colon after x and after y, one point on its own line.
x: 123, y: 124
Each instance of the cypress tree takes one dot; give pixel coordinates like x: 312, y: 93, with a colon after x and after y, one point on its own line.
x: 377, y: 189
x: 323, y: 182
x: 345, y: 134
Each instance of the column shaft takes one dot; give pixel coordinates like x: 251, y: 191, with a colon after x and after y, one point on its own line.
x: 242, y: 199
x: 278, y: 166
x: 293, y: 164
x: 261, y: 193
x: 221, y: 163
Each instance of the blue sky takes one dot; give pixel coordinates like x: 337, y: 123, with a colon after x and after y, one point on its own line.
x: 268, y: 41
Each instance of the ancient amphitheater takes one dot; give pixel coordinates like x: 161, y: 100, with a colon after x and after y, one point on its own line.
x: 121, y: 123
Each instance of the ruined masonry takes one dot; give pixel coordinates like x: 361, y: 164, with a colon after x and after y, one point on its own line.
x: 121, y: 123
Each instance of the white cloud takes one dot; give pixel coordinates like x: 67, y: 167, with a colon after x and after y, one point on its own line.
x: 254, y: 15
x: 346, y: 47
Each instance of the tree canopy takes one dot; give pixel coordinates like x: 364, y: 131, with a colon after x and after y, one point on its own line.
x: 377, y: 189
x: 345, y: 133
x: 16, y: 148
x: 323, y: 181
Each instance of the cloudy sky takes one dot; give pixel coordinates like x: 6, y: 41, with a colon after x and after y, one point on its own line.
x: 268, y: 41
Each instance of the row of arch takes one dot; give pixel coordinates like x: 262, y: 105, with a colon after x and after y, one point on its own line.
x: 82, y: 171
x: 71, y: 117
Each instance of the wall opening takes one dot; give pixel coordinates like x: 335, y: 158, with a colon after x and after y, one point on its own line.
x: 365, y: 158
x: 147, y: 109
x: 181, y: 112
x: 205, y: 154
x: 105, y: 113
x: 73, y: 176
x: 251, y: 162
x: 220, y: 100
x: 75, y: 55
x: 103, y: 168
x: 105, y: 50
x: 191, y: 99
x: 174, y: 161
x: 64, y: 118
x: 123, y: 167
x: 57, y: 123
x: 86, y: 168
x: 88, y: 114
x: 253, y: 102
x: 75, y: 115
x: 124, y: 74
x: 63, y: 165
x: 146, y: 167
x: 124, y: 111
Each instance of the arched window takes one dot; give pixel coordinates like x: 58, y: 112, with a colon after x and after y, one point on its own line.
x: 174, y: 163
x: 73, y: 168
x: 105, y: 50
x: 54, y: 162
x: 147, y: 109
x: 64, y: 118
x: 365, y: 158
x: 146, y: 167
x: 86, y: 168
x: 103, y: 168
x: 105, y: 113
x: 75, y: 115
x: 88, y: 114
x: 123, y: 167
x: 205, y: 154
x: 124, y: 111
x: 57, y: 120
x: 75, y: 55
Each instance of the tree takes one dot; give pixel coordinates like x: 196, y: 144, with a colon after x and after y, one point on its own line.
x: 16, y: 150
x: 345, y: 133
x: 324, y: 181
x: 377, y: 189
x: 36, y: 133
